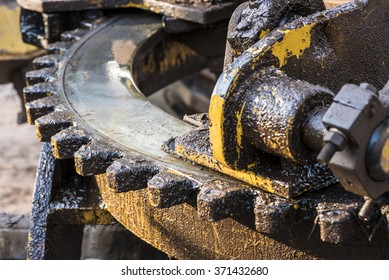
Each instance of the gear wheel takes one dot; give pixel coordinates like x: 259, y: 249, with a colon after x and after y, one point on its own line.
x: 84, y: 98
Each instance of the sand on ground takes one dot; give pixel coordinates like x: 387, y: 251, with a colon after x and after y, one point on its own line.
x: 19, y: 154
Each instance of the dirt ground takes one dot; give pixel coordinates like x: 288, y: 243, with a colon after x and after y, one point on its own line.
x: 19, y: 153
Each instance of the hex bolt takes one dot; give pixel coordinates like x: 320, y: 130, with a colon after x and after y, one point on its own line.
x: 335, y: 141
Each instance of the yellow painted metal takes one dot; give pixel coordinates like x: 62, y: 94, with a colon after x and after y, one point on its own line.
x: 12, y: 46
x: 334, y: 3
x: 182, y: 234
x: 174, y: 54
x: 216, y: 129
x: 292, y: 43
x: 245, y: 176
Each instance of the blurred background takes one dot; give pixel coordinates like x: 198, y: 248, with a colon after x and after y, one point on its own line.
x: 19, y: 153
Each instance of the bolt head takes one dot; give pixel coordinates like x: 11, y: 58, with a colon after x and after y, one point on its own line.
x: 337, y: 139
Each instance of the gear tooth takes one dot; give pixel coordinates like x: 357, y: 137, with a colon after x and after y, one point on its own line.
x: 41, y: 76
x: 130, y: 174
x: 68, y: 141
x: 94, y: 159
x: 38, y: 91
x: 51, y: 124
x: 219, y: 200
x: 38, y: 108
x: 337, y: 222
x: 167, y: 189
x: 47, y: 61
x: 59, y: 47
x: 73, y: 35
x: 273, y: 214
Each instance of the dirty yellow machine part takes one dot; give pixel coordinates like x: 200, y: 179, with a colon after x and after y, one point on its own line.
x: 279, y: 74
x: 12, y: 46
x: 334, y: 3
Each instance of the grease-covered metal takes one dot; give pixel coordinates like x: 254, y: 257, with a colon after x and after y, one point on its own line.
x: 268, y: 114
x: 244, y: 102
x: 281, y: 178
x: 259, y: 17
x: 351, y: 159
x: 166, y: 211
x: 204, y: 12
x: 62, y: 205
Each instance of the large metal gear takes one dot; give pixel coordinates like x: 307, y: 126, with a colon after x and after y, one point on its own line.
x: 87, y: 97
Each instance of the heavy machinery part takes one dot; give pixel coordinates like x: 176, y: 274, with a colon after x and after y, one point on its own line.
x: 12, y: 47
x: 358, y: 157
x: 253, y: 20
x: 64, y: 203
x: 313, y: 49
x: 256, y: 18
x: 168, y: 202
x: 204, y: 11
x: 250, y: 122
x: 41, y: 29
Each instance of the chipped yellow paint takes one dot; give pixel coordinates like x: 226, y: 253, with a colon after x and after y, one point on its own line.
x: 97, y: 216
x: 264, y: 33
x: 216, y: 133
x: 11, y: 43
x: 293, y: 43
x: 334, y: 3
x: 239, y: 131
x: 245, y: 176
x: 239, y: 128
x: 174, y: 54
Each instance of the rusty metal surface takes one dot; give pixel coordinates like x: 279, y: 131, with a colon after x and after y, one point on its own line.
x: 201, y: 12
